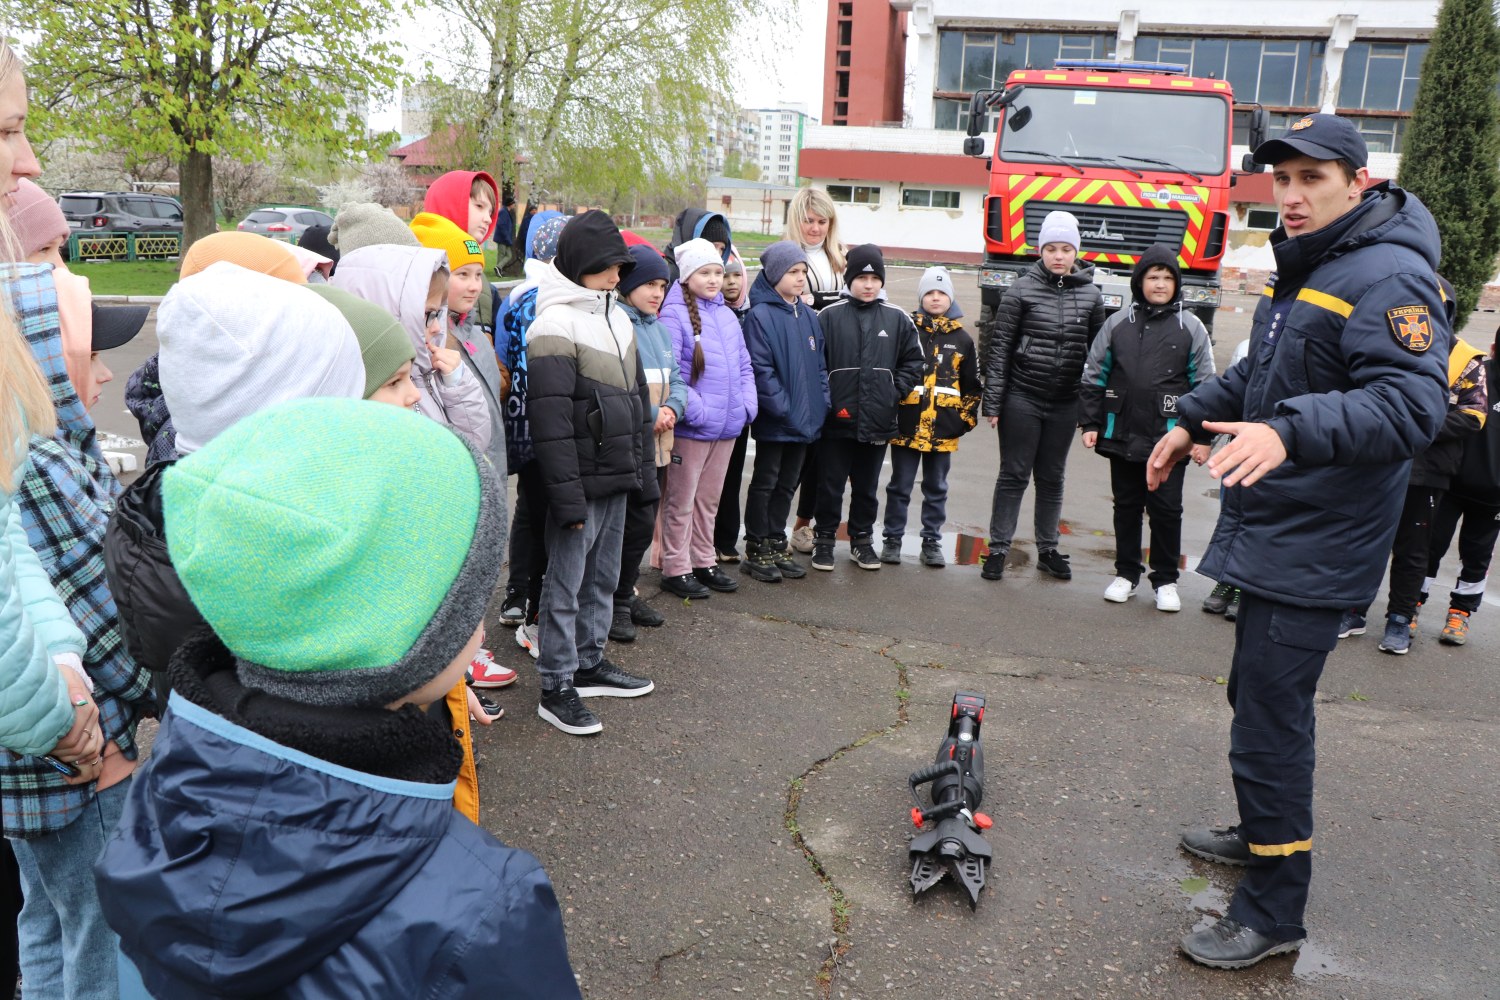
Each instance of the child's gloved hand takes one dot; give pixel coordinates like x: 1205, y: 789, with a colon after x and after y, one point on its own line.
x: 445, y: 360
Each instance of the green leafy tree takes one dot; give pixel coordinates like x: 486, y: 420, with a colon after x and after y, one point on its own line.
x: 589, y: 97
x: 200, y: 79
x: 1452, y: 157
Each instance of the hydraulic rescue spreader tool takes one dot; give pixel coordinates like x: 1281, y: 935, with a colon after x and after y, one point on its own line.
x: 951, y: 842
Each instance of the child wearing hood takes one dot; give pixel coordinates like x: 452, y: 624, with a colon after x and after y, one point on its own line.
x: 470, y: 199
x: 528, y: 549
x: 143, y: 390
x: 721, y: 401
x: 225, y: 353
x: 591, y: 425
x: 699, y: 224
x: 785, y: 343
x: 57, y: 823
x: 302, y: 759
x: 1145, y: 358
x: 939, y: 410
x: 642, y: 292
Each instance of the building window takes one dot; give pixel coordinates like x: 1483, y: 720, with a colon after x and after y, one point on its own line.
x: 1381, y: 76
x: 955, y: 115
x: 981, y: 60
x: 926, y: 198
x: 1274, y: 72
x: 846, y: 194
x: 1262, y: 218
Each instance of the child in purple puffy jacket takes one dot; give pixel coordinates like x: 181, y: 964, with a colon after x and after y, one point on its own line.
x: 721, y: 400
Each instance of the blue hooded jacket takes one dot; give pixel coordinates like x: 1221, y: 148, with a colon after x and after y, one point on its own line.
x: 1347, y: 362
x: 785, y: 342
x: 242, y: 867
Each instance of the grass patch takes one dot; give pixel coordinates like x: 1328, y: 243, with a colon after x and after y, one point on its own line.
x: 125, y: 277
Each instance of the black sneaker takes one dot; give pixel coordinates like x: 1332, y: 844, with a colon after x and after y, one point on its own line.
x: 685, y: 586
x: 781, y: 555
x: 513, y: 608
x: 822, y: 556
x: 564, y: 710
x: 1217, y: 601
x: 715, y: 578
x: 606, y: 680
x: 1233, y: 611
x: 890, y: 552
x: 932, y: 554
x: 863, y: 554
x: 994, y: 566
x: 621, y: 627
x: 1054, y: 563
x: 1223, y: 845
x: 1229, y: 944
x: 645, y: 615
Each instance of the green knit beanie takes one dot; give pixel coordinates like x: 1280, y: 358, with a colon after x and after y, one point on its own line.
x: 383, y: 343
x: 343, y: 550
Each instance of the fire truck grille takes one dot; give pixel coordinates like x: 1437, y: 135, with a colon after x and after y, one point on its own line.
x: 1111, y: 229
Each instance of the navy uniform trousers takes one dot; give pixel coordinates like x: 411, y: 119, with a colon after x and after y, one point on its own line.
x: 1279, y: 652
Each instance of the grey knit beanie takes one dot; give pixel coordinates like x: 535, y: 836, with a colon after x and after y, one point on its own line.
x: 1058, y: 227
x: 778, y: 258
x: 364, y: 224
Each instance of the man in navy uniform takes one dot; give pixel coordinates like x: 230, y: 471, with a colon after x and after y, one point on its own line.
x: 1345, y: 381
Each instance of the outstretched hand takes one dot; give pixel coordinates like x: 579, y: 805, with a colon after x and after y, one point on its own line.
x: 1171, y: 449
x: 1255, y: 451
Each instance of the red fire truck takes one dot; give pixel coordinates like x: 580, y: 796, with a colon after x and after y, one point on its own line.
x: 1139, y: 152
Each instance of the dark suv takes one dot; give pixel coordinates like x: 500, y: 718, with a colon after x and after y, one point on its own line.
x: 120, y: 212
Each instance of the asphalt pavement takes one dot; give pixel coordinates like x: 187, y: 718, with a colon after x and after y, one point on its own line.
x: 743, y: 830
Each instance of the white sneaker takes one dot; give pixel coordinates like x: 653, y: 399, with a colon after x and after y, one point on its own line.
x: 1167, y: 599
x: 526, y: 638
x: 802, y: 539
x: 486, y: 673
x: 1119, y: 591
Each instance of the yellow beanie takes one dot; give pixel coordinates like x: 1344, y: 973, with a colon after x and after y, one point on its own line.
x: 437, y: 233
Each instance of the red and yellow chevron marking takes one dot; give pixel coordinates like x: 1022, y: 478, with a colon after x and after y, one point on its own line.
x: 1069, y: 192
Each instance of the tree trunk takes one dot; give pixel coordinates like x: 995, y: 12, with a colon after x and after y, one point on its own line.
x: 196, y: 177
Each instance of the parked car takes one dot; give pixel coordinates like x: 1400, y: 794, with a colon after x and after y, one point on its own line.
x: 284, y: 222
x: 120, y: 212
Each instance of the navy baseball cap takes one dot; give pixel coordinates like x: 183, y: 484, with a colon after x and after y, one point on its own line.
x: 1323, y: 137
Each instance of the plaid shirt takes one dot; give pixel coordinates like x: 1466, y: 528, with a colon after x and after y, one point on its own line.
x: 65, y: 501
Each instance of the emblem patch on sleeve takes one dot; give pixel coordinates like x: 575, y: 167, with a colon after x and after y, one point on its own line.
x: 1411, y: 326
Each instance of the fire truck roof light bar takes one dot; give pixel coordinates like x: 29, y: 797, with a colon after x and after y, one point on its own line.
x: 1122, y: 67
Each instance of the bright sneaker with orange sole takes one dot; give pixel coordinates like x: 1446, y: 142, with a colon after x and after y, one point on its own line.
x: 1456, y: 630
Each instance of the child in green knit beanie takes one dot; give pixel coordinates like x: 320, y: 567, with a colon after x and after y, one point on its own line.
x: 294, y: 828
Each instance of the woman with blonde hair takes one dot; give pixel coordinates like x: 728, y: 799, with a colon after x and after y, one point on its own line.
x: 812, y: 223
x: 47, y: 709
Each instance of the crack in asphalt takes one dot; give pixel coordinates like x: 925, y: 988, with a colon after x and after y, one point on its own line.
x: 839, y: 909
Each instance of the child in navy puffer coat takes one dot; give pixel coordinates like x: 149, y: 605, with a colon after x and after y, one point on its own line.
x: 791, y: 380
x: 720, y: 401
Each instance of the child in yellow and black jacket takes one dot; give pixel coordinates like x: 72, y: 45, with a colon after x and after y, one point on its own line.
x: 939, y: 410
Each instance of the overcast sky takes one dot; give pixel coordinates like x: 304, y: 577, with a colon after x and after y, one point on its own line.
x: 771, y: 64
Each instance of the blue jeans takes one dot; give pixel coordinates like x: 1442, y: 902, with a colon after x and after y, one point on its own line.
x: 904, y: 462
x: 583, y: 569
x: 68, y: 952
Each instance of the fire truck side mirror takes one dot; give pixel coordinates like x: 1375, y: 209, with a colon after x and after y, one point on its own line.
x: 1249, y: 166
x: 974, y: 145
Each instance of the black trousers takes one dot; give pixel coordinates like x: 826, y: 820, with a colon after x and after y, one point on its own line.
x: 1279, y: 652
x: 727, y: 521
x: 773, y: 480
x: 1476, y: 546
x: 11, y: 898
x: 1132, y: 501
x: 807, y: 498
x: 846, y: 461
x: 1410, y: 550
x: 531, y: 491
x: 640, y: 525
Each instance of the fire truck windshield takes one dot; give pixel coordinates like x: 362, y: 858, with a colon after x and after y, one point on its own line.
x: 1189, y: 131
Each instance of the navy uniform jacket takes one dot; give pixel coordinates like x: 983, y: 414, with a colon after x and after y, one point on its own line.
x: 1347, y: 362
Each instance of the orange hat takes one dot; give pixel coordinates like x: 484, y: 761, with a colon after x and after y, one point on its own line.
x: 251, y: 251
x: 438, y: 233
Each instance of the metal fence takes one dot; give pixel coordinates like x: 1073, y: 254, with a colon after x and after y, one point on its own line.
x: 124, y: 246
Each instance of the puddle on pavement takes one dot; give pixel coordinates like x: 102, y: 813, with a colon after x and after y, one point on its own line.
x: 1314, y: 963
x: 1210, y: 903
